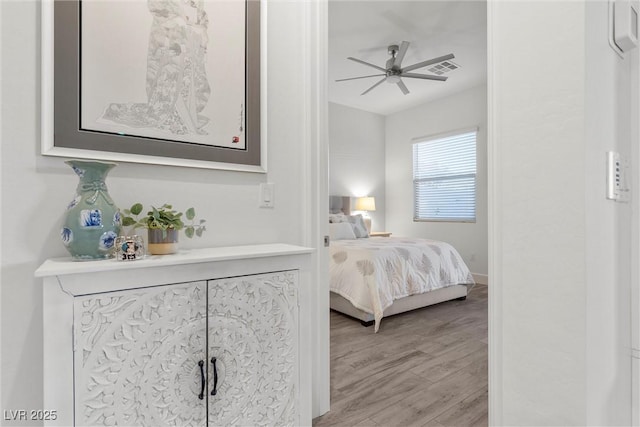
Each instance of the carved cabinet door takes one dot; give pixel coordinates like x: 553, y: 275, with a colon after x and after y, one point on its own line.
x: 137, y: 354
x: 253, y: 343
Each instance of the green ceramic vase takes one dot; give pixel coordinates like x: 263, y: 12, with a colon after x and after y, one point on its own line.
x: 93, y: 221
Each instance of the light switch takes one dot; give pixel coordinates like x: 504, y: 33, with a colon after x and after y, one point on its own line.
x: 617, y: 182
x: 614, y: 168
x: 266, y: 194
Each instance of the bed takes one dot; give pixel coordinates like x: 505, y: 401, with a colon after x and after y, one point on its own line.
x: 375, y: 277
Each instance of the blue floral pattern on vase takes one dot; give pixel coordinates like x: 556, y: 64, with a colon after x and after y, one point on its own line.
x: 78, y: 171
x: 72, y: 204
x: 117, y: 218
x: 90, y: 218
x: 66, y: 235
x: 107, y: 240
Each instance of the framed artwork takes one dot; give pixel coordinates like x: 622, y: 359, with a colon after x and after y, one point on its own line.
x: 175, y: 82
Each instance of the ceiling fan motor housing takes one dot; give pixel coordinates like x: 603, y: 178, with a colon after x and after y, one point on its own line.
x: 393, y: 78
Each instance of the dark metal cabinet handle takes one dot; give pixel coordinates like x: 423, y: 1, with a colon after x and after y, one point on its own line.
x: 215, y: 377
x: 201, y: 364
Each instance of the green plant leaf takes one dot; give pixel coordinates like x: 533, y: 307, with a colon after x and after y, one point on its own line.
x: 136, y: 209
x: 163, y: 218
x: 128, y: 221
x: 190, y: 213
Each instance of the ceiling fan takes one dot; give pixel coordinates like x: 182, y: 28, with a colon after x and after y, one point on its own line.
x: 393, y: 71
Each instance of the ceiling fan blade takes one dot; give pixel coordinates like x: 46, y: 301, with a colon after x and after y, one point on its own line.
x: 424, y: 76
x: 400, y: 55
x: 366, y: 63
x: 402, y: 87
x: 369, y: 90
x: 363, y: 77
x: 429, y: 62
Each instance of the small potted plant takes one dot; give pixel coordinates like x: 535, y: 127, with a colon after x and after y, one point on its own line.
x: 163, y: 225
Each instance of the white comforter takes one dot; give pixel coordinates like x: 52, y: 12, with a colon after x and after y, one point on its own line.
x: 372, y: 273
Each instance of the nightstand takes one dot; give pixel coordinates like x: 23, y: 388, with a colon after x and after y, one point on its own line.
x: 380, y: 234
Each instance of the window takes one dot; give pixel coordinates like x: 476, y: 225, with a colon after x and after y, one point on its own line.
x: 444, y: 178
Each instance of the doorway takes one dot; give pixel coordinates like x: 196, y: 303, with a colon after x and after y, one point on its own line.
x: 361, y: 166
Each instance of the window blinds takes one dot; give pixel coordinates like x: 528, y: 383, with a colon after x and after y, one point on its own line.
x: 444, y: 178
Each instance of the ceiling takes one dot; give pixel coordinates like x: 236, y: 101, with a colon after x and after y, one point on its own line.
x: 365, y: 28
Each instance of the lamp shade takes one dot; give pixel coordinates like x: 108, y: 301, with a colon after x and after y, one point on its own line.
x: 365, y: 204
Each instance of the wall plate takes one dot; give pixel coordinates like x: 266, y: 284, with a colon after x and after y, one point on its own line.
x: 623, y: 25
x: 614, y: 173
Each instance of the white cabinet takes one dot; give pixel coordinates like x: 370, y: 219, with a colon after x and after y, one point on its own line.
x: 253, y: 335
x: 136, y: 356
x: 203, y: 338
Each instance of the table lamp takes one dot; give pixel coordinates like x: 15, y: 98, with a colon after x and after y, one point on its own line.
x: 366, y: 204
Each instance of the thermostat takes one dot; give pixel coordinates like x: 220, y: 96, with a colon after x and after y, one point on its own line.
x: 625, y: 24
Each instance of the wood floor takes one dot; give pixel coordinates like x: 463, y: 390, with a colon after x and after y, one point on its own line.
x: 427, y: 367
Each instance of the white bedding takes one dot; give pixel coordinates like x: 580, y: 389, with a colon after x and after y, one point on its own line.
x: 372, y: 273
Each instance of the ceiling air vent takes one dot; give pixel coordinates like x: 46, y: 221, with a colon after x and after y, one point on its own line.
x: 443, y: 67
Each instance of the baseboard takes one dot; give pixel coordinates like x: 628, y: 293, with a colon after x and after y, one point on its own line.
x: 481, y: 279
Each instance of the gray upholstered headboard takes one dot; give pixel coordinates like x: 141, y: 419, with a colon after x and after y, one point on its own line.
x: 338, y: 204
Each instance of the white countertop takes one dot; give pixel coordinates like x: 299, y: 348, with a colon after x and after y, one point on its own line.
x: 66, y: 265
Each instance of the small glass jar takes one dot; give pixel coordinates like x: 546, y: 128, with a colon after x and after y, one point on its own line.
x: 129, y: 248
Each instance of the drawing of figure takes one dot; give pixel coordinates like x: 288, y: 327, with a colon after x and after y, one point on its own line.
x: 176, y: 84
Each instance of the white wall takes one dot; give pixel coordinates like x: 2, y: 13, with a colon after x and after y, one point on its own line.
x: 539, y: 143
x: 610, y: 113
x: 356, y: 157
x: 463, y: 110
x: 35, y: 190
x: 560, y: 326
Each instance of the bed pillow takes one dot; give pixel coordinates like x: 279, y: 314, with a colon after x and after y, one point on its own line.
x: 359, y: 227
x: 339, y: 217
x: 341, y: 231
